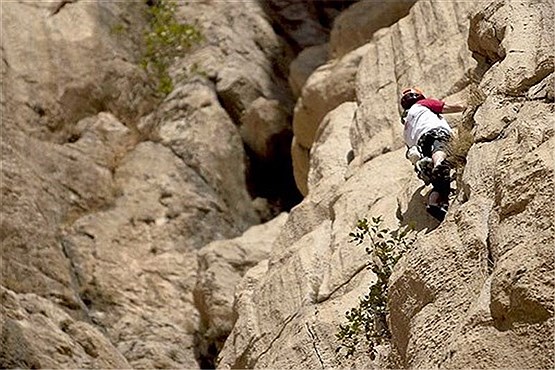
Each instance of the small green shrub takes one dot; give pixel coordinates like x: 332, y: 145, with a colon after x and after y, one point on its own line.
x: 165, y: 40
x: 118, y: 29
x: 368, y: 321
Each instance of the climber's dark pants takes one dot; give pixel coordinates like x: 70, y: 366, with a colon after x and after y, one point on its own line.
x: 433, y: 141
x: 429, y: 143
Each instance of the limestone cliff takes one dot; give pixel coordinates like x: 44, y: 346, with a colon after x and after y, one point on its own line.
x: 477, y: 290
x: 134, y: 227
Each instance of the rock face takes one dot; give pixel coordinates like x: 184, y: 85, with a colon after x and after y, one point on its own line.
x: 222, y: 264
x: 473, y: 292
x: 248, y: 62
x: 130, y: 237
x: 107, y: 193
x: 500, y: 311
x: 328, y: 87
x: 355, y: 26
x: 37, y: 333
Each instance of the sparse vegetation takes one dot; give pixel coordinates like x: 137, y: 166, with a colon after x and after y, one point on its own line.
x: 118, y: 29
x: 164, y: 41
x: 367, y: 323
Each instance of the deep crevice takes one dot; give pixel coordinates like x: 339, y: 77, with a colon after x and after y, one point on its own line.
x: 272, y: 179
x: 60, y: 5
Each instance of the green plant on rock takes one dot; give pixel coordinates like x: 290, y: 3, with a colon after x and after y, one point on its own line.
x: 165, y: 40
x: 367, y: 323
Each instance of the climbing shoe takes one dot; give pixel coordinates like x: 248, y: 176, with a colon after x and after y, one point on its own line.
x: 441, y: 171
x: 441, y: 178
x: 437, y: 211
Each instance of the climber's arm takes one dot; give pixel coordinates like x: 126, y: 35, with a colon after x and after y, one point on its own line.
x: 453, y: 107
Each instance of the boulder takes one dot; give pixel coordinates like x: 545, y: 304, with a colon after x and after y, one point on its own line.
x: 37, y: 333
x: 266, y: 129
x: 222, y: 264
x: 300, y: 22
x: 304, y: 64
x: 301, y: 159
x: 329, y: 86
x: 328, y: 156
x: 356, y: 25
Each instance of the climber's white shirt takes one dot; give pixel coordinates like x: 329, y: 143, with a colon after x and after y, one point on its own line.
x: 423, y: 117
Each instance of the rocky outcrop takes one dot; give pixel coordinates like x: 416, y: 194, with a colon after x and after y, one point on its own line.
x: 355, y: 26
x: 104, y: 207
x: 304, y: 64
x: 396, y: 60
x: 384, y: 66
x: 222, y: 264
x: 36, y: 333
x: 498, y: 300
x: 473, y: 290
x: 71, y: 42
x: 329, y: 86
x: 304, y: 24
x: 128, y: 229
x: 248, y: 64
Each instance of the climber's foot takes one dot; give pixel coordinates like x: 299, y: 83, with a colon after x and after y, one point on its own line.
x: 437, y: 211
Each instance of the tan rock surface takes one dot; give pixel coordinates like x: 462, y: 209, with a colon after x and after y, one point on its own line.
x: 302, y: 288
x: 329, y: 86
x: 38, y: 334
x: 355, y: 26
x: 304, y: 64
x: 104, y: 210
x: 328, y: 156
x: 493, y: 310
x: 248, y: 63
x: 63, y: 66
x: 105, y: 222
x: 414, y: 51
x: 473, y: 292
x: 222, y: 264
x: 266, y: 129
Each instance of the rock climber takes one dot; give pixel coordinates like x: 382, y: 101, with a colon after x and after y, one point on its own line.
x: 426, y: 135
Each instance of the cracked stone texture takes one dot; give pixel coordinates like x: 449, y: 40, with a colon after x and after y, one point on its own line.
x: 104, y: 208
x: 356, y: 25
x: 65, y: 66
x: 248, y: 63
x: 495, y: 309
x: 328, y: 86
x: 36, y: 333
x: 104, y: 214
x: 222, y: 264
x: 475, y: 291
x: 432, y: 55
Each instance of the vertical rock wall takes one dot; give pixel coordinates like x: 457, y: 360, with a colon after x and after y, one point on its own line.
x: 108, y: 193
x: 483, y: 284
x: 474, y: 291
x: 126, y: 221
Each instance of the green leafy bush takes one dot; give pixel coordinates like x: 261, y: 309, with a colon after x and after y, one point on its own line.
x: 165, y: 40
x: 368, y: 321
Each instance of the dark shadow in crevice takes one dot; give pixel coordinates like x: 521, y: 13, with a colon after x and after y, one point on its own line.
x: 272, y: 179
